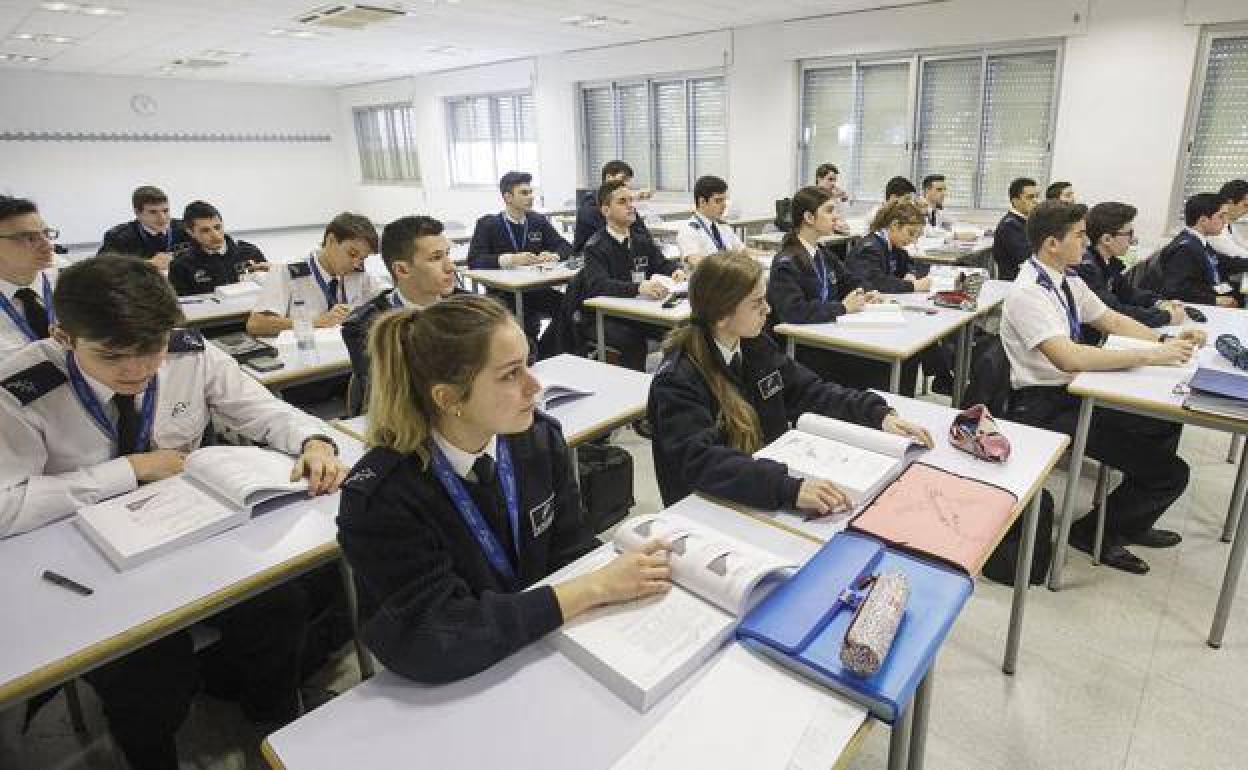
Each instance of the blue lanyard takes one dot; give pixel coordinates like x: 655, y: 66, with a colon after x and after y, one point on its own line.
x: 712, y: 230
x: 330, y: 299
x: 20, y: 321
x: 511, y: 234
x: 395, y: 299
x: 86, y: 397
x: 471, y: 515
x: 821, y: 272
x: 1211, y: 261
x: 1072, y: 312
x: 882, y: 235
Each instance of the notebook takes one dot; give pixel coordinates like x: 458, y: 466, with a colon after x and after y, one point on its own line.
x: 1218, y: 392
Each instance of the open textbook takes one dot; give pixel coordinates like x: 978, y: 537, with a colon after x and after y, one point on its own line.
x: 641, y: 650
x: 746, y: 713
x: 859, y: 460
x: 945, y: 277
x: 216, y: 491
x: 554, y: 392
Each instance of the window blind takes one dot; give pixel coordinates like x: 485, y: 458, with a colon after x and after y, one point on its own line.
x: 1018, y: 95
x: 881, y: 113
x: 708, y: 117
x: 1219, y: 139
x: 949, y: 119
x: 827, y: 120
x: 387, y: 147
x: 671, y: 125
x: 489, y: 136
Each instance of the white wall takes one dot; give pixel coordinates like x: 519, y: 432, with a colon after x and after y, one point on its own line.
x: 84, y: 187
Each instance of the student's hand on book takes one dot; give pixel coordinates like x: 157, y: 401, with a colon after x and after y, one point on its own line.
x: 820, y: 498
x: 548, y: 256
x: 913, y: 431
x: 1172, y: 352
x: 923, y: 284
x: 318, y: 463
x: 1195, y: 336
x: 1226, y: 301
x: 680, y: 276
x: 157, y: 464
x: 634, y: 574
x: 332, y: 317
x: 855, y: 301
x: 652, y: 289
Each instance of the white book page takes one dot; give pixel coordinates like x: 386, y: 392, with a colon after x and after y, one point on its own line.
x: 554, y: 392
x: 875, y: 314
x: 720, y: 569
x: 153, y: 515
x: 671, y: 285
x: 244, y: 476
x: 857, y: 435
x: 747, y: 713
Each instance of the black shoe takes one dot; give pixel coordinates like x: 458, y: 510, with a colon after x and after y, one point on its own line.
x: 642, y: 428
x: 1114, y: 555
x: 1155, y: 538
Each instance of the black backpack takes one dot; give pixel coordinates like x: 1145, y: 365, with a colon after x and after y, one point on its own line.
x: 606, y: 476
x: 1148, y: 274
x: 1000, y: 565
x: 784, y: 215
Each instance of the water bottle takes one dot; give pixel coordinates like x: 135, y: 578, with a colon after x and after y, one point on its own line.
x: 305, y: 334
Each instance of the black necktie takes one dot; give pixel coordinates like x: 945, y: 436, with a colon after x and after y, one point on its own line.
x: 127, y: 425
x: 483, y: 469
x: 1076, y: 334
x: 333, y: 292
x: 734, y: 366
x: 719, y: 242
x: 36, y: 314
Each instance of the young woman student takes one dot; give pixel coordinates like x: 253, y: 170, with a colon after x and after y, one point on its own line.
x: 725, y: 390
x: 466, y: 498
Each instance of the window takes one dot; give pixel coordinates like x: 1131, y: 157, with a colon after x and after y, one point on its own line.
x: 981, y: 118
x: 489, y: 136
x: 1216, y: 148
x: 387, y: 145
x: 670, y: 130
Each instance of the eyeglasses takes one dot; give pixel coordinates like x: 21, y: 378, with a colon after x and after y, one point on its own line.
x: 1128, y: 234
x: 31, y: 237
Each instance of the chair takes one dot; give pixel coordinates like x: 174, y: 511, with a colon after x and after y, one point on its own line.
x: 784, y: 215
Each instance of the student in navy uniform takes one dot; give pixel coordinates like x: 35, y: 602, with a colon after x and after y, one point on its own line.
x: 725, y: 390
x: 621, y: 262
x: 418, y: 256
x: 116, y: 399
x: 1192, y: 269
x: 826, y: 177
x: 1110, y: 235
x: 516, y: 237
x: 465, y: 499
x: 1010, y: 248
x: 881, y: 261
x: 330, y: 282
x: 151, y: 234
x: 1231, y: 242
x: 1060, y: 191
x: 27, y: 275
x: 212, y: 258
x: 896, y: 189
x: 935, y: 188
x: 589, y: 218
x: 1041, y: 330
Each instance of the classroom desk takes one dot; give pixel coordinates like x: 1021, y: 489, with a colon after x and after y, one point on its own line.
x: 52, y: 635
x: 771, y: 241
x: 978, y: 254
x: 521, y: 279
x: 541, y: 710
x: 650, y: 311
x: 332, y: 360
x: 619, y: 397
x: 745, y: 225
x: 1150, y: 392
x: 894, y: 344
x: 204, y: 311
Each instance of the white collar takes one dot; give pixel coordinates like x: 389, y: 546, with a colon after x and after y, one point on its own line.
x: 1016, y: 213
x: 812, y: 250
x: 407, y: 303
x: 1057, y: 276
x: 325, y: 272
x: 152, y: 232
x: 523, y: 218
x: 461, y: 461
x: 727, y: 352
x: 9, y: 289
x: 1204, y: 239
x: 619, y: 237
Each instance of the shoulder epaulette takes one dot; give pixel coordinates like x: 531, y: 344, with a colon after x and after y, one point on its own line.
x: 299, y: 269
x: 35, y: 382
x: 186, y: 341
x: 371, y: 470
x: 695, y: 224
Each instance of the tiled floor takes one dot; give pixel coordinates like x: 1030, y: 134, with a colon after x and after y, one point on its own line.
x: 1114, y: 671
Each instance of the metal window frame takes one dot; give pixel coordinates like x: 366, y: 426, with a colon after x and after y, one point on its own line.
x: 394, y: 150
x: 1209, y: 34
x: 590, y: 175
x: 493, y: 123
x: 916, y: 59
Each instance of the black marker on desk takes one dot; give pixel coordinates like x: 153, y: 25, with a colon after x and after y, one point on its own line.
x: 65, y: 582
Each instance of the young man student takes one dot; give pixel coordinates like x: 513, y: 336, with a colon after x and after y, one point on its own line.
x: 515, y: 237
x: 1041, y: 329
x: 418, y: 256
x: 27, y: 275
x: 826, y: 178
x: 704, y: 233
x: 896, y: 189
x: 1060, y: 191
x: 330, y: 282
x: 116, y: 398
x: 1229, y: 242
x: 1010, y: 248
x: 934, y: 190
x: 588, y: 214
x: 620, y: 262
x: 1111, y: 233
x: 152, y: 234
x: 213, y: 258
x: 1192, y: 269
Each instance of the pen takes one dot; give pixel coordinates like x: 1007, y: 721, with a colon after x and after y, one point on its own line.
x: 65, y: 582
x: 189, y: 301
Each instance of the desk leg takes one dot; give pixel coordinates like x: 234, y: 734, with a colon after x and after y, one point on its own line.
x: 918, y: 725
x: 520, y: 308
x: 602, y: 336
x: 1237, y: 441
x: 1072, y: 488
x: 1237, y: 503
x: 1022, y: 582
x: 899, y: 740
x: 894, y: 376
x: 1234, y: 565
x: 959, y: 365
x: 353, y: 610
x: 575, y: 460
x: 791, y: 347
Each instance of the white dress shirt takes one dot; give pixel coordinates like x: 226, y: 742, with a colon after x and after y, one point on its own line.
x: 280, y: 289
x: 1033, y: 314
x: 461, y: 461
x: 12, y: 338
x: 694, y: 237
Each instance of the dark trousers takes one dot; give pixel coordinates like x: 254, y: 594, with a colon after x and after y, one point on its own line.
x: 538, y: 304
x: 630, y: 338
x: 146, y: 695
x: 1144, y: 449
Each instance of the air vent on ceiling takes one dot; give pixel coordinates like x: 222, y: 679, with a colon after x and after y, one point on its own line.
x: 198, y: 64
x: 348, y: 16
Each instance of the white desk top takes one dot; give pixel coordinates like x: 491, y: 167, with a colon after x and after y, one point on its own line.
x: 534, y: 710
x: 897, y: 342
x: 332, y: 360
x: 521, y: 278
x: 207, y: 309
x: 773, y: 240
x: 638, y: 308
x: 51, y: 634
x: 619, y: 397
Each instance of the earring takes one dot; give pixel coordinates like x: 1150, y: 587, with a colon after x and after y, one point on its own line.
x: 459, y: 412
